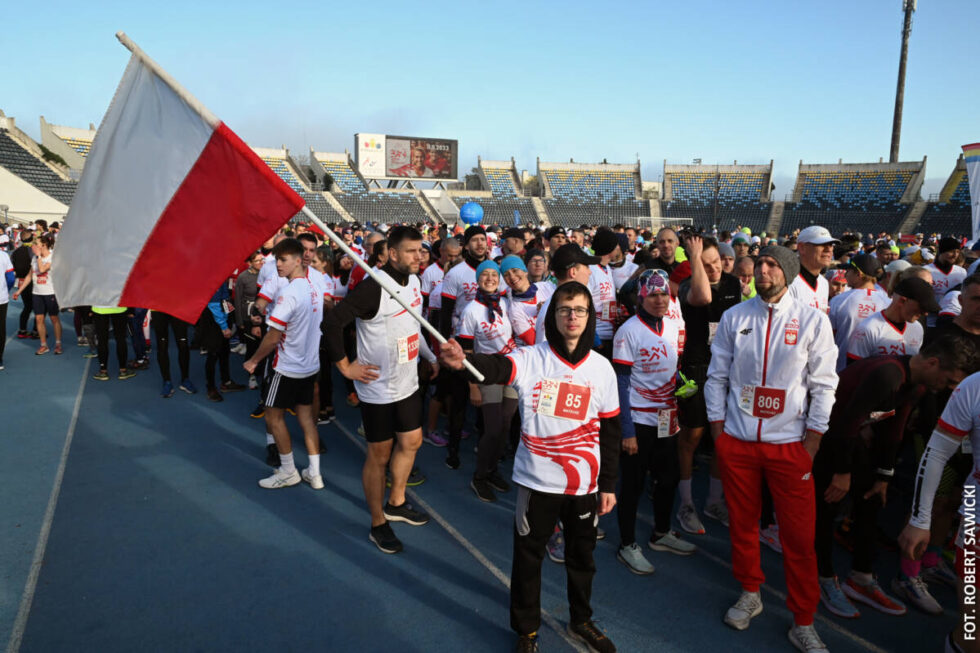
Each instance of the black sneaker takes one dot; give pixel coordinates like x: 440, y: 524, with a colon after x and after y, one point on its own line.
x: 527, y: 644
x: 594, y: 638
x: 483, y: 490
x: 272, y: 455
x: 326, y: 416
x: 384, y: 538
x: 214, y: 395
x: 452, y: 459
x: 497, y: 482
x: 258, y: 412
x: 405, y: 513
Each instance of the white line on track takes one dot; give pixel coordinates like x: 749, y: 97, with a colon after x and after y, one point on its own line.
x: 20, y: 624
x: 465, y: 543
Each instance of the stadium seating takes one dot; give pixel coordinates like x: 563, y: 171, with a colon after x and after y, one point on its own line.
x: 597, y: 195
x: 28, y: 167
x: 501, y: 210
x: 278, y: 165
x: 727, y: 198
x: 862, y: 200
x: 951, y: 214
x: 321, y: 208
x: 368, y: 206
x: 501, y: 182
x: 80, y: 145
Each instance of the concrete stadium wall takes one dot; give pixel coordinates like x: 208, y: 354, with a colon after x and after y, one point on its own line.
x: 27, y: 203
x: 52, y: 138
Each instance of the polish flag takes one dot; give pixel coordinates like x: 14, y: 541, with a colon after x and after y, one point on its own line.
x: 170, y: 202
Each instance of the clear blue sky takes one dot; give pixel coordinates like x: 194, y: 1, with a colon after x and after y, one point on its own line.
x: 723, y: 80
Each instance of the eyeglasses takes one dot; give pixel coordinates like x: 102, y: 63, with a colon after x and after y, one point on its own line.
x: 565, y: 311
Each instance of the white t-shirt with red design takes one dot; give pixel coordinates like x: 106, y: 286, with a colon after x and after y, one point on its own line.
x: 460, y: 285
x: 604, y: 298
x: 561, y: 405
x: 523, y: 313
x: 876, y: 336
x: 942, y: 283
x: 818, y: 297
x: 652, y: 357
x: 42, y: 280
x: 848, y: 310
x: 297, y: 313
x: 487, y: 336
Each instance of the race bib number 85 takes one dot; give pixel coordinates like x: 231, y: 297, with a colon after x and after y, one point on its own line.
x: 564, y: 400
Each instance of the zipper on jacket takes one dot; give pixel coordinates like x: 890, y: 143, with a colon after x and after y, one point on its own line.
x: 765, y: 366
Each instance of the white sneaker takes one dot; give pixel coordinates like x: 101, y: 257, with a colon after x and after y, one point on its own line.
x: 280, y: 479
x: 632, y: 556
x: 717, y: 511
x: 689, y: 520
x: 672, y: 543
x: 253, y: 383
x: 806, y: 639
x: 749, y: 605
x: 315, y: 481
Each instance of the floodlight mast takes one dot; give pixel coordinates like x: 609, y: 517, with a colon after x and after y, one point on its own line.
x: 909, y: 7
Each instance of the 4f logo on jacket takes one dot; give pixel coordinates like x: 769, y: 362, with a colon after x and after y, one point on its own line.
x: 746, y: 332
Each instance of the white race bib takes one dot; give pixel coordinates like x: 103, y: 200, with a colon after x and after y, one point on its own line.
x: 408, y: 349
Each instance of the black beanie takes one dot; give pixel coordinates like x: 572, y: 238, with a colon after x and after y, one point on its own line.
x: 473, y: 230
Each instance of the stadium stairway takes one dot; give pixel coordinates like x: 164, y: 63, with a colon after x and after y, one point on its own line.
x: 913, y: 217
x: 540, y: 211
x: 337, y: 206
x: 775, y: 218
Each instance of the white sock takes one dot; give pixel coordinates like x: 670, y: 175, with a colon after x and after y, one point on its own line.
x: 286, y: 463
x: 269, y: 439
x: 714, y: 491
x: 685, y: 489
x: 315, y: 464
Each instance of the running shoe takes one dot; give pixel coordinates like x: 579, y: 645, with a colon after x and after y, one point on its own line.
x: 1, y: 365
x: 527, y: 644
x: 188, y: 387
x: 143, y: 364
x: 231, y: 386
x: 214, y: 395
x: 384, y: 538
x: 915, y: 591
x: 35, y: 335
x: 360, y: 430
x: 672, y: 543
x: 326, y: 416
x: 90, y: 354
x: 83, y: 341
x: 452, y: 459
x: 435, y: 439
x: 42, y: 350
x: 600, y: 534
x: 834, y: 599
x: 632, y: 556
x: 168, y: 390
x: 126, y: 374
x: 941, y: 573
x: 352, y: 400
x: 872, y: 594
x: 406, y: 513
x: 315, y: 480
x: 253, y: 383
x: 280, y: 479
x: 556, y: 547
x: 594, y: 638
x: 805, y: 639
x: 101, y: 375
x: 770, y: 537
x: 258, y: 412
x: 22, y: 335
x: 57, y: 349
x: 498, y: 482
x: 272, y: 455
x: 748, y: 606
x: 687, y: 515
x: 718, y: 512
x: 483, y: 490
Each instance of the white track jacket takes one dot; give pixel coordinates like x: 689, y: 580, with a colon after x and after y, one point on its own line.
x: 772, y: 371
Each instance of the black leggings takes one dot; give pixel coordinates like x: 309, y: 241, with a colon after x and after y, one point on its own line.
x: 162, y: 324
x: 220, y: 357
x: 27, y: 296
x: 659, y: 457
x: 120, y: 324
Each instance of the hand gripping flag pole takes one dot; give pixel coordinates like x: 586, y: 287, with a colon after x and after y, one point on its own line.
x: 213, y: 121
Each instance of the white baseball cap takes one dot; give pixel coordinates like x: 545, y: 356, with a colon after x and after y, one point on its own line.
x: 816, y: 235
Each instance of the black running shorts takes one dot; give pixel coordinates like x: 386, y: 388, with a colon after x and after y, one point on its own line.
x: 287, y: 392
x: 692, y: 412
x: 383, y: 421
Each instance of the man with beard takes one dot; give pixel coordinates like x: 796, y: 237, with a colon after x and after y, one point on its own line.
x: 945, y: 274
x: 569, y: 414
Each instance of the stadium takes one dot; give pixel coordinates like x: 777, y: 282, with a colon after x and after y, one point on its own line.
x: 38, y: 180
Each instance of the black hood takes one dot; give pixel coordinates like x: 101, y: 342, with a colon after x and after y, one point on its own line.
x: 557, y: 340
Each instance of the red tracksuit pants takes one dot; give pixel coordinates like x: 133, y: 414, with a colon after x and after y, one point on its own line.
x: 787, y: 470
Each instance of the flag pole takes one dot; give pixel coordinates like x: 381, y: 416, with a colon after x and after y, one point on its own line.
x: 384, y: 285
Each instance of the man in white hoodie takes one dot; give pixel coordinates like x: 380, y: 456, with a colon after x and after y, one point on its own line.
x: 769, y: 394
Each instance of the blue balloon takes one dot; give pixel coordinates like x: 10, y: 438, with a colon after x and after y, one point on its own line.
x: 471, y: 213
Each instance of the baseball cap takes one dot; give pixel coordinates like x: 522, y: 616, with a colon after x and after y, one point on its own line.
x: 816, y: 235
x: 740, y: 238
x: 867, y: 265
x: 569, y: 255
x: 554, y: 231
x: 917, y: 289
x: 653, y: 281
x: 897, y: 266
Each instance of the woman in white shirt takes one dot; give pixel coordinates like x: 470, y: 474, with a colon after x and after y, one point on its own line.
x: 44, y: 298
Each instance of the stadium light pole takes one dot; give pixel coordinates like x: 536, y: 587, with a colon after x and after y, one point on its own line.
x: 909, y: 7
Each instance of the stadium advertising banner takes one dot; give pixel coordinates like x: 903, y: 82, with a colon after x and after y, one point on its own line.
x: 370, y: 150
x: 420, y: 158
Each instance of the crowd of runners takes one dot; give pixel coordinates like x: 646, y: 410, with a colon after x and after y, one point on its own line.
x: 813, y: 361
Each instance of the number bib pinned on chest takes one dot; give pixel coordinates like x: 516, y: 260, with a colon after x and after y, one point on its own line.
x: 408, y: 349
x: 762, y: 402
x: 564, y: 400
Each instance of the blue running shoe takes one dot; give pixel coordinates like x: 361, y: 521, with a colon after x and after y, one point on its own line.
x: 168, y: 390
x: 188, y: 387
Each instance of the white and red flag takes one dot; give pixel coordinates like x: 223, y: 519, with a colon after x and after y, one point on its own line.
x: 171, y: 201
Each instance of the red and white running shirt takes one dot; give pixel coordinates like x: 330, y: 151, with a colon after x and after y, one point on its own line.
x: 604, y: 297
x: 460, y: 285
x: 561, y: 405
x: 652, y: 357
x: 486, y: 336
x: 876, y: 336
x: 803, y: 292
x: 523, y: 313
x: 297, y: 313
x: 847, y: 311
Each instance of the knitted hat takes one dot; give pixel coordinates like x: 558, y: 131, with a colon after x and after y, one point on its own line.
x: 474, y: 230
x: 486, y: 265
x: 786, y: 258
x: 512, y: 262
x: 604, y: 242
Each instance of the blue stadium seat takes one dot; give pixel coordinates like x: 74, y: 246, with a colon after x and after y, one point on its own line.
x: 725, y: 199
x: 596, y: 196
x: 862, y: 201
